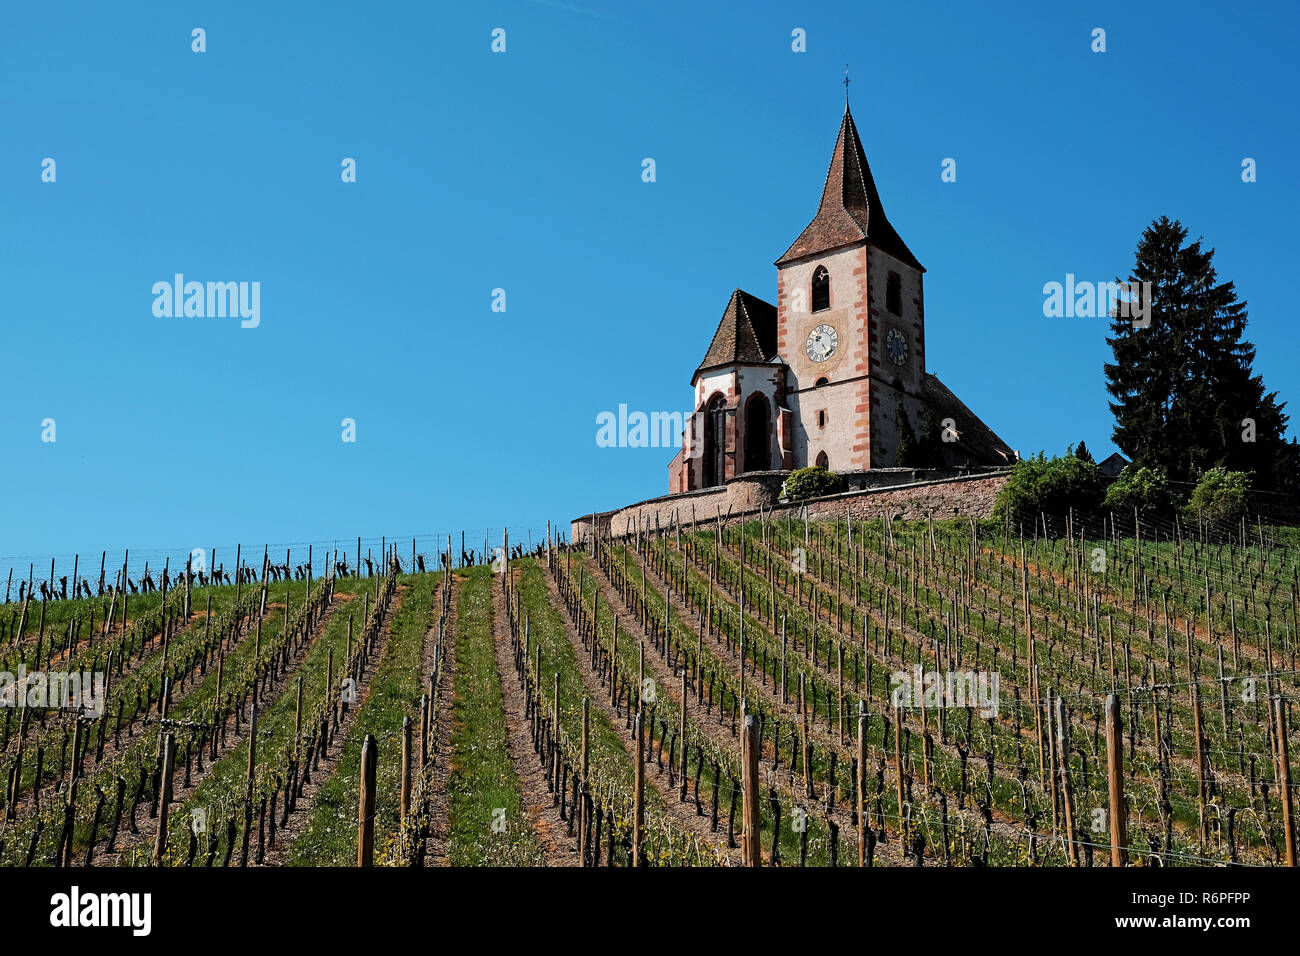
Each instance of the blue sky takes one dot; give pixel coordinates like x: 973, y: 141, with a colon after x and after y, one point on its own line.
x: 522, y: 170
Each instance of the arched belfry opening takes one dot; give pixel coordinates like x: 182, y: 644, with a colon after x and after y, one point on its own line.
x: 758, y: 455
x: 821, y: 289
x: 715, y: 441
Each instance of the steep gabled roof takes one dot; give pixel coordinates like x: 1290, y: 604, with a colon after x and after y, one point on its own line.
x: 850, y: 209
x: 746, y: 334
x: 973, y: 436
x: 1113, y: 465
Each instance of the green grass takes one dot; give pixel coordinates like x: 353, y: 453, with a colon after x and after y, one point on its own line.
x: 1060, y: 617
x: 192, y: 703
x: 818, y: 841
x: 609, y: 757
x: 58, y: 614
x: 223, y: 785
x: 483, y: 784
x: 330, y: 836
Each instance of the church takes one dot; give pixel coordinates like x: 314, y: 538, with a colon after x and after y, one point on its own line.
x: 820, y: 377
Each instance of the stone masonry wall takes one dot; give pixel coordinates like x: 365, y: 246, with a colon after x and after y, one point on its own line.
x: 948, y: 497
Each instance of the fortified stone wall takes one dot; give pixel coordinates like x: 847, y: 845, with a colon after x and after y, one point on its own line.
x: 941, y: 497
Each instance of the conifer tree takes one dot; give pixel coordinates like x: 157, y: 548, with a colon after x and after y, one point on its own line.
x: 1185, y: 393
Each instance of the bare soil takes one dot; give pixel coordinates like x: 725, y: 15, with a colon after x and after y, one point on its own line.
x: 543, y: 814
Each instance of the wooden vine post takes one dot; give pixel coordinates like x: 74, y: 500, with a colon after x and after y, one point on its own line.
x: 426, y: 720
x: 898, y: 770
x: 839, y: 701
x: 638, y: 798
x: 252, y: 753
x: 406, y: 768
x: 366, y: 805
x: 297, y: 719
x: 76, y: 749
x: 805, y: 746
x: 1115, y: 783
x: 862, y: 783
x: 1202, y: 829
x: 1067, y: 795
x: 169, y: 758
x: 681, y: 733
x: 1284, y: 777
x: 752, y: 838
x: 584, y: 817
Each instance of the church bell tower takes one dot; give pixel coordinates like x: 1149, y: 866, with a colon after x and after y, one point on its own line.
x: 850, y: 322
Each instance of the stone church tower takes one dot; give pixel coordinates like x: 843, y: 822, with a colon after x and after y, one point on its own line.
x: 819, y: 378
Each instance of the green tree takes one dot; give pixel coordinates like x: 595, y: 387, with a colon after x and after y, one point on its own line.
x: 1185, y: 395
x: 812, y: 483
x: 1049, y: 485
x: 1081, y: 452
x: 1146, y: 489
x: 1220, y: 497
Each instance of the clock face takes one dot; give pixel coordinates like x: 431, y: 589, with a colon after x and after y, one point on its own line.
x: 821, y: 344
x: 896, y: 346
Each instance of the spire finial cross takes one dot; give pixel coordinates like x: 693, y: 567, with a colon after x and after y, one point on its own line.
x: 846, y: 83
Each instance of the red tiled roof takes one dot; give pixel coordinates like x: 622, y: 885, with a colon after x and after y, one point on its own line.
x: 850, y: 208
x: 976, y: 439
x: 746, y: 334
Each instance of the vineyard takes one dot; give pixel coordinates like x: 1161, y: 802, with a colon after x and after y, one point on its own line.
x: 765, y: 692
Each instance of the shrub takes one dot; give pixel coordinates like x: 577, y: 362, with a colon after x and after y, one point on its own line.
x: 1146, y: 489
x: 1219, y: 497
x: 1049, y: 485
x: 812, y: 483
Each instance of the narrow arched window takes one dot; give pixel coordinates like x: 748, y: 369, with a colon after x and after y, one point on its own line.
x: 821, y: 289
x: 715, y: 442
x: 757, y: 454
x: 823, y: 461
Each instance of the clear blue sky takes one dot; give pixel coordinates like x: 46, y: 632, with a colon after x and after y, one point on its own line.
x: 522, y: 171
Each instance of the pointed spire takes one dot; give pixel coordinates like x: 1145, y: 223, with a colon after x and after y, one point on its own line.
x: 850, y: 209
